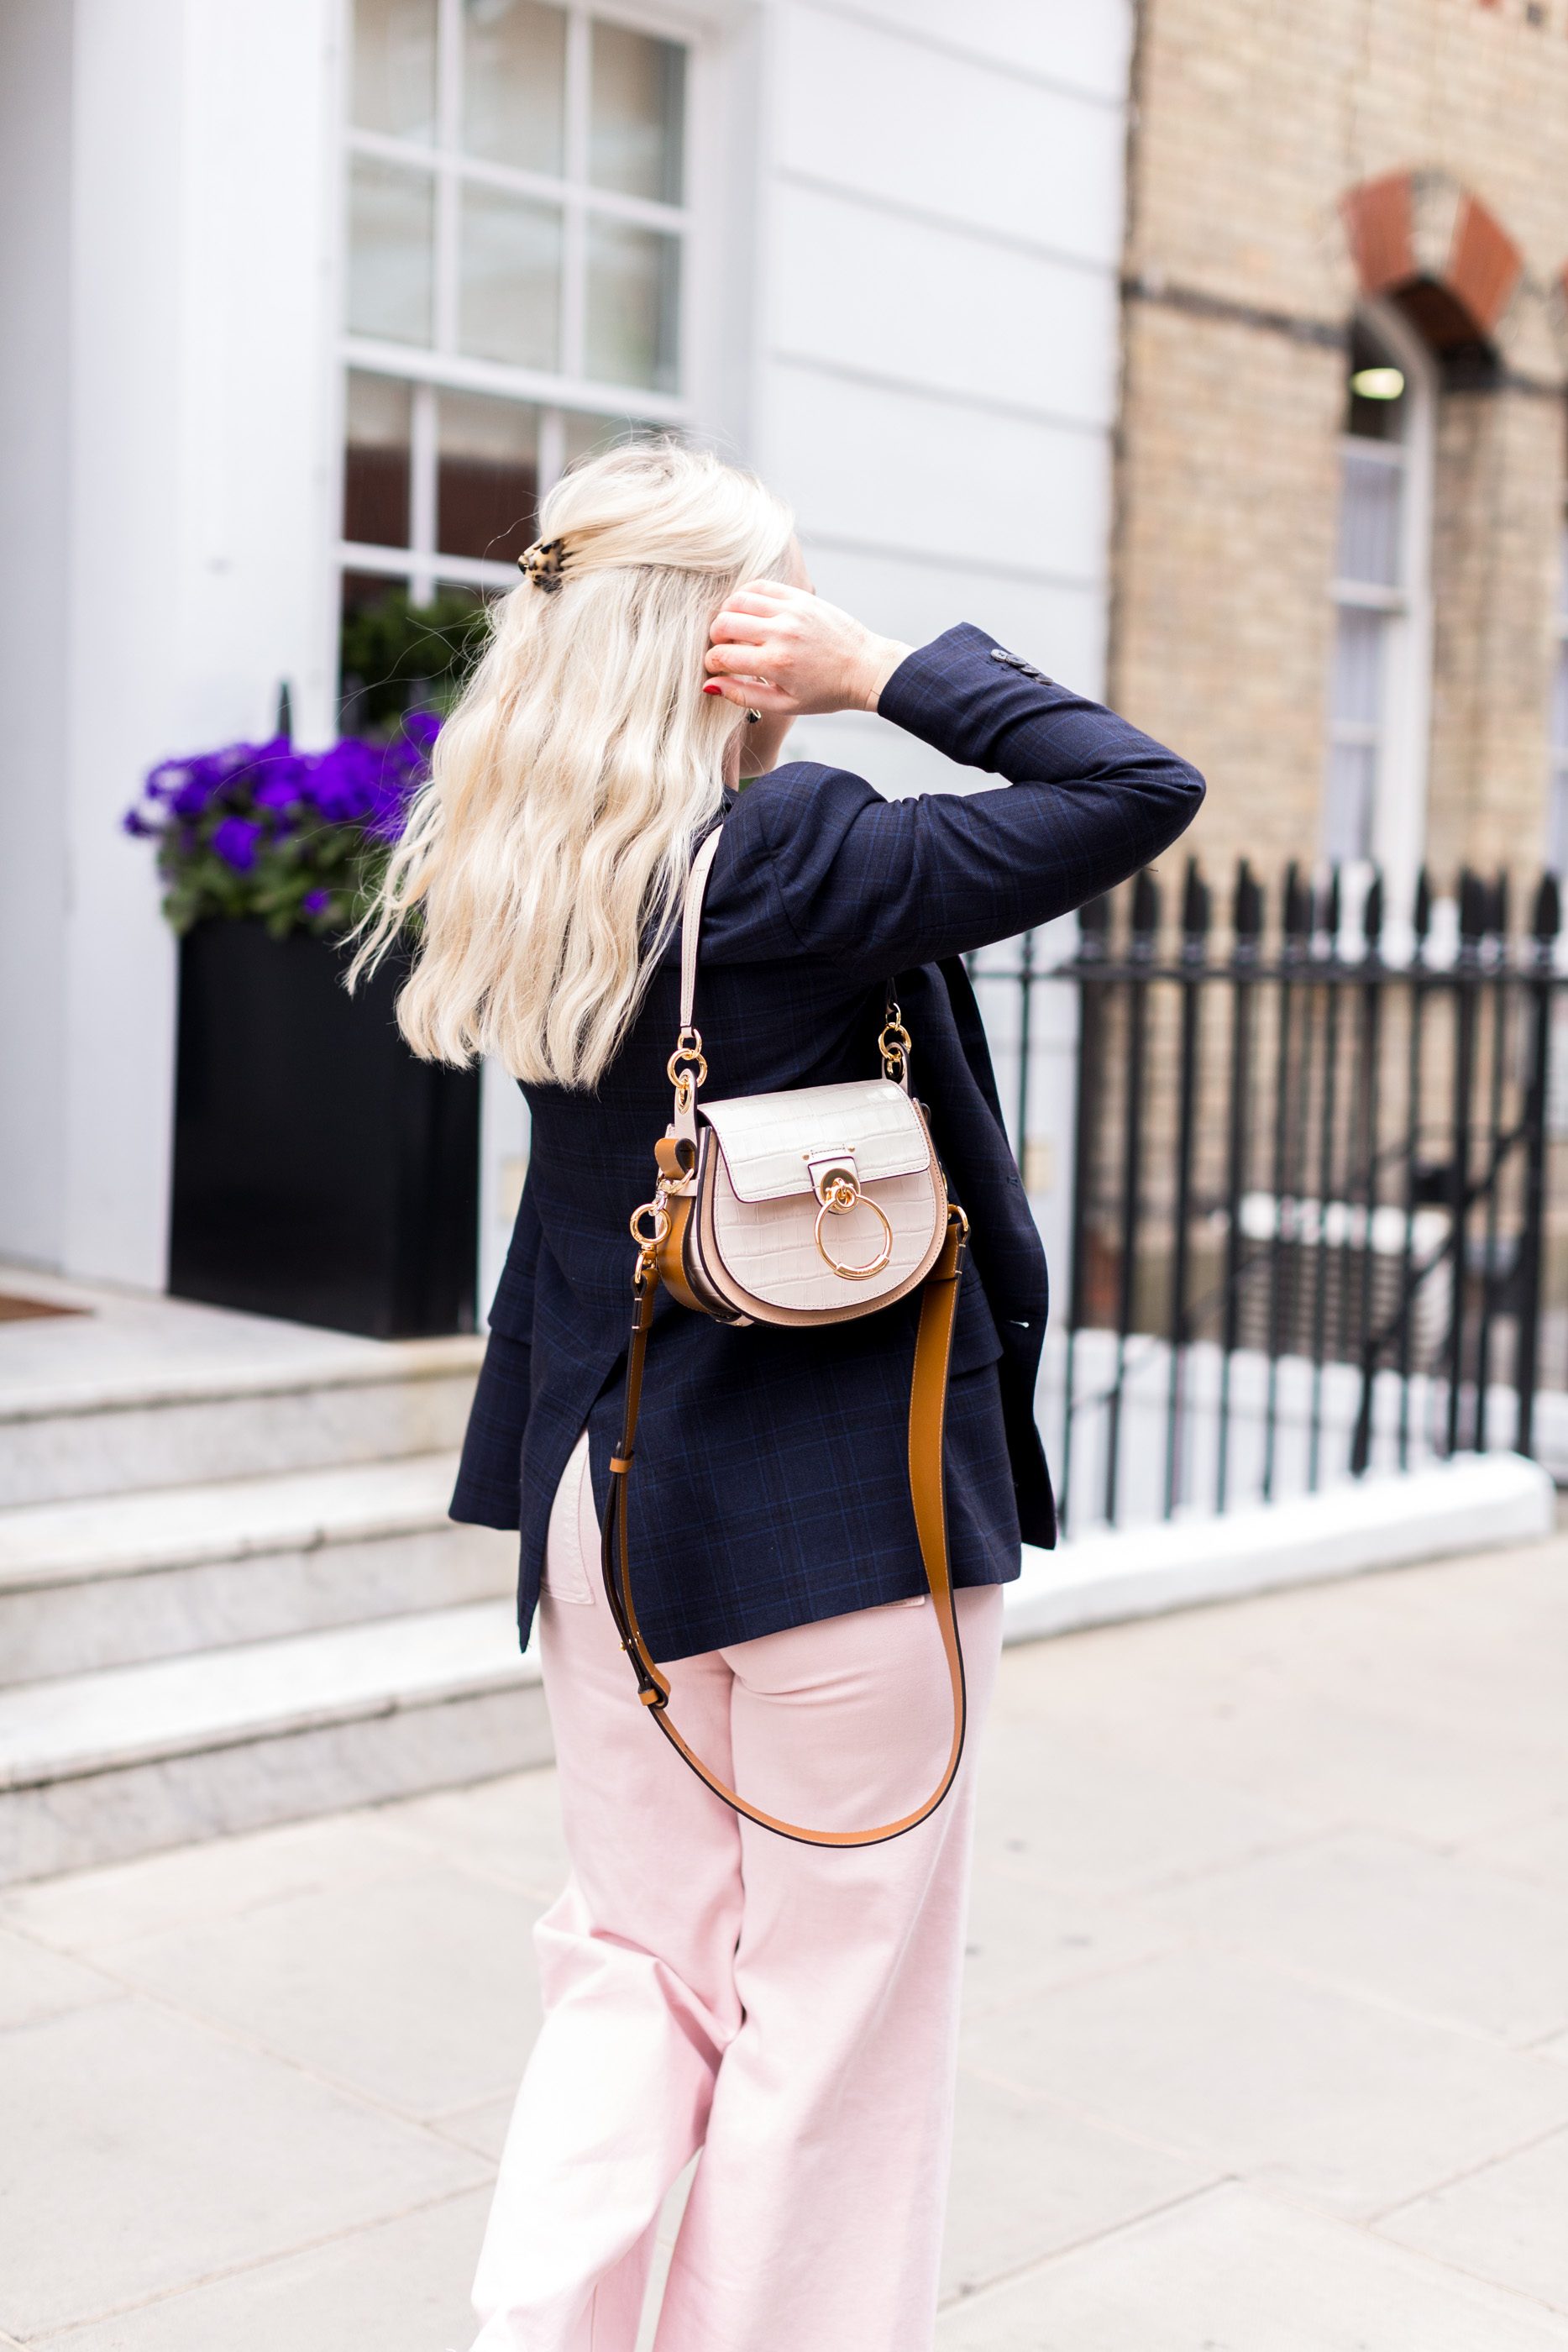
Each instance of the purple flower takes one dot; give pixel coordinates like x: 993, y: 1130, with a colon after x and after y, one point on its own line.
x: 235, y: 802
x: 282, y: 786
x: 191, y: 797
x: 235, y: 840
x: 343, y: 784
x: 234, y: 756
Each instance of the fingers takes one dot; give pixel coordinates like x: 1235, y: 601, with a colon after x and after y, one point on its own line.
x: 766, y: 643
x: 771, y: 592
x: 750, y: 659
x: 757, y: 601
x: 750, y: 617
x: 761, y: 646
x: 740, y: 628
x: 749, y: 693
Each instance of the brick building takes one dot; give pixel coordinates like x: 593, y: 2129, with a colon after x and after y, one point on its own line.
x: 1348, y: 604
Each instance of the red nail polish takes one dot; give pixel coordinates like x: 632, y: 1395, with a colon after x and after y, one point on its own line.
x: 712, y: 688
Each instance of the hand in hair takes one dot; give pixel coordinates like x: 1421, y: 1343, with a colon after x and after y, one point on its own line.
x: 781, y: 649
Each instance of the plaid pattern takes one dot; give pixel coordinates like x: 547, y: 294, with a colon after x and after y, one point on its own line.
x: 771, y: 1481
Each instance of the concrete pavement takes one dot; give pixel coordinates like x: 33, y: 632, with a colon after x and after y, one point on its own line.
x: 1266, y: 2047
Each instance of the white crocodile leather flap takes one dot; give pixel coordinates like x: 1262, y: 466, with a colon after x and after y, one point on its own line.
x: 767, y: 1139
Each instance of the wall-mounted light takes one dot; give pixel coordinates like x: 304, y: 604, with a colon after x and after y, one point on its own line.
x: 1378, y: 383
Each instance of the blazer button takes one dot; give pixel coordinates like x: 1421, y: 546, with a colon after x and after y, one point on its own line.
x: 1017, y: 661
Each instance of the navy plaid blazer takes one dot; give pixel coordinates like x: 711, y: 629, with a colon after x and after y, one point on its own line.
x: 772, y: 1485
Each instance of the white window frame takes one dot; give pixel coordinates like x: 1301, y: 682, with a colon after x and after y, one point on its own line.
x: 429, y: 369
x: 1398, y: 832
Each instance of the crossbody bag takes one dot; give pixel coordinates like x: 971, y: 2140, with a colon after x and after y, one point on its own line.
x: 818, y: 1205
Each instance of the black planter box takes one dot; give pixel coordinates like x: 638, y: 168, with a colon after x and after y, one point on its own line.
x: 321, y: 1173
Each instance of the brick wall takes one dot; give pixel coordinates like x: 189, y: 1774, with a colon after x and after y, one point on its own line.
x: 1256, y: 120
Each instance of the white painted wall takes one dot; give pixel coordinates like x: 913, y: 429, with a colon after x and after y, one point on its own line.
x: 35, y: 226
x: 178, y: 552
x: 941, y: 230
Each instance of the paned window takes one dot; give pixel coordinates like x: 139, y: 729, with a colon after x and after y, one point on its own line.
x: 516, y: 275
x: 1557, y: 844
x: 1375, y: 786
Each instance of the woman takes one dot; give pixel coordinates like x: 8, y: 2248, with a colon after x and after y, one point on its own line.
x: 788, y: 2010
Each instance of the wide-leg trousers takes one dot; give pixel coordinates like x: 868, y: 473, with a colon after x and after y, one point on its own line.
x: 790, y: 2010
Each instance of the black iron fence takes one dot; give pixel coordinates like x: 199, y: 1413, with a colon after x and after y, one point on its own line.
x: 1314, y: 1216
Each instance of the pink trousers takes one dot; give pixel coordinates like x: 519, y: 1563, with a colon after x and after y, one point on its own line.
x: 790, y: 2010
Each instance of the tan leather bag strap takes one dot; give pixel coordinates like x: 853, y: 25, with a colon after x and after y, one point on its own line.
x: 691, y: 923
x: 927, y: 1412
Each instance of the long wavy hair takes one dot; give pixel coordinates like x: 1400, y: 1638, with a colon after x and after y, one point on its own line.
x: 546, y: 854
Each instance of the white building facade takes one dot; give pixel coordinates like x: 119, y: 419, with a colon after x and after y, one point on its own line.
x: 296, y: 298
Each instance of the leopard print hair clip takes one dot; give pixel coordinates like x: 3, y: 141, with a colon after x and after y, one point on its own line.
x: 544, y: 563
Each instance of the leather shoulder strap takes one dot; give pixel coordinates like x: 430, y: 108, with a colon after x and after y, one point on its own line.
x: 927, y: 1412
x: 692, y: 922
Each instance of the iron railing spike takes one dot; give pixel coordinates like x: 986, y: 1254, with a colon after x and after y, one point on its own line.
x: 1472, y: 907
x: 1094, y: 927
x: 1332, y: 904
x: 1194, y: 902
x: 1145, y: 905
x: 1421, y: 909
x: 1298, y: 906
x: 1546, y: 918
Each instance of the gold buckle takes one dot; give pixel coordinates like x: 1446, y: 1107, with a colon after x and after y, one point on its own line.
x: 826, y: 1169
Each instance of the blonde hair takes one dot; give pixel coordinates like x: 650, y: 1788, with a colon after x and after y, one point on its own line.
x: 546, y: 853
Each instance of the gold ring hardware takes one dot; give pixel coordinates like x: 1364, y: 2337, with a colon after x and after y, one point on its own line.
x: 895, y: 1044
x: 688, y: 1050
x: 839, y: 1194
x: 656, y: 1210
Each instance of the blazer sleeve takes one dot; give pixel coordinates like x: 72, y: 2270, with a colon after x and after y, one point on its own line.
x: 488, y: 1491
x: 878, y: 884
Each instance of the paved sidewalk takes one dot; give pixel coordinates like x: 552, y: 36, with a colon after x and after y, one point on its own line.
x: 1267, y: 2046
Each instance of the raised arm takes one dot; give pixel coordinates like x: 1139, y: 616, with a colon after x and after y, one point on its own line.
x: 879, y: 885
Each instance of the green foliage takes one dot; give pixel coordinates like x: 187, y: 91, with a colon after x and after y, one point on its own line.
x: 398, y: 657
x: 319, y: 881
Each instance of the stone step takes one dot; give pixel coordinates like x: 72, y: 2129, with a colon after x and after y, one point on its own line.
x: 97, y: 1766
x: 119, y: 1580
x: 305, y: 1401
